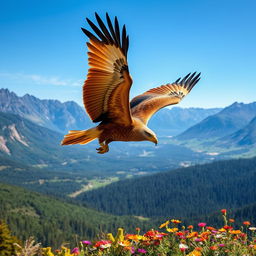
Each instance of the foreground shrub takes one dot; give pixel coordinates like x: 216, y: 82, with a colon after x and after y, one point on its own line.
x: 7, y: 241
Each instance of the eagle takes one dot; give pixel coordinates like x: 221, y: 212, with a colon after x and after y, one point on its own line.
x: 106, y: 91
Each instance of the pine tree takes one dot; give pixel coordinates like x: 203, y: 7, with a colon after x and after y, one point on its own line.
x: 7, y: 241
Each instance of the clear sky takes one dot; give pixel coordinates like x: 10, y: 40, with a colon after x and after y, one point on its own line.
x: 43, y: 50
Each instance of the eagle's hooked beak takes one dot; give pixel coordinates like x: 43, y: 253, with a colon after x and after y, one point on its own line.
x: 155, y: 140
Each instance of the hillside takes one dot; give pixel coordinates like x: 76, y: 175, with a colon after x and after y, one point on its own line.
x: 183, y: 193
x: 243, y: 137
x: 227, y: 121
x: 52, y: 221
x: 37, y: 146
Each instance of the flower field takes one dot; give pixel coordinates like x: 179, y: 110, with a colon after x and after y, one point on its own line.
x: 172, y: 238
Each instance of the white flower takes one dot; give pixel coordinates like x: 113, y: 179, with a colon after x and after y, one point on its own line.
x: 183, y: 246
x: 252, y: 228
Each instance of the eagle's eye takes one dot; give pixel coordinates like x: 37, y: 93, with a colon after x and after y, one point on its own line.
x: 148, y: 134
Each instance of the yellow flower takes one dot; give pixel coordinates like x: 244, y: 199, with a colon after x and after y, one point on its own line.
x: 172, y: 230
x: 110, y: 237
x: 164, y: 224
x: 195, y: 253
x: 175, y: 221
x: 47, y: 251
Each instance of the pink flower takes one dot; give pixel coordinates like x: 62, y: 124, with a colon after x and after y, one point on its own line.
x: 75, y: 251
x: 221, y: 245
x: 202, y: 224
x: 86, y: 242
x: 141, y: 251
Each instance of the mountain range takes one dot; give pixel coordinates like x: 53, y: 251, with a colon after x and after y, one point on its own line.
x: 52, y: 114
x: 232, y: 131
x: 227, y: 121
x: 69, y: 115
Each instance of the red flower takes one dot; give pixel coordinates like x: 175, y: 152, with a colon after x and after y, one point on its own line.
x: 224, y: 211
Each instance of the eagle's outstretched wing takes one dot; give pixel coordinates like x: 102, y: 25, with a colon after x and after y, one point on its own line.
x: 106, y: 89
x: 145, y: 105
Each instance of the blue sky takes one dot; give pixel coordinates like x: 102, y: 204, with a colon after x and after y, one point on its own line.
x: 43, y: 50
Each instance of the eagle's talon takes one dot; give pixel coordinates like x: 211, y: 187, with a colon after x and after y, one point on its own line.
x: 103, y: 149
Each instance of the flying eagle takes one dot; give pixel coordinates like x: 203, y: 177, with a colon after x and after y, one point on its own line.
x: 106, y: 91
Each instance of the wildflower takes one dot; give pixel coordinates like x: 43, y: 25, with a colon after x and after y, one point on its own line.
x: 190, y: 227
x: 247, y: 223
x: 135, y: 237
x: 224, y: 211
x: 141, y: 251
x: 195, y: 252
x: 103, y: 244
x: 221, y: 245
x: 235, y: 232
x: 227, y: 227
x: 213, y: 248
x: 210, y: 228
x: 47, y: 251
x: 175, y: 221
x: 179, y: 234
x: 111, y: 237
x: 172, y: 230
x: 125, y: 243
x: 85, y: 242
x: 231, y: 220
x: 183, y: 247
x: 164, y: 224
x: 201, y: 224
x: 75, y: 251
x: 252, y: 228
x: 192, y: 234
x: 130, y: 248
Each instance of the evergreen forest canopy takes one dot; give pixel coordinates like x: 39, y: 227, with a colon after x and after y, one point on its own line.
x: 181, y: 193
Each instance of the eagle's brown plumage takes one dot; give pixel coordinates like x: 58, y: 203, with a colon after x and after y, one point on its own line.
x: 106, y: 91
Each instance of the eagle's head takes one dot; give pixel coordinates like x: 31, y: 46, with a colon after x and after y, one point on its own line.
x: 149, y: 135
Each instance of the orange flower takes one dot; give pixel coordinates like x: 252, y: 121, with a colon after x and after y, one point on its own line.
x: 214, y: 248
x: 190, y: 227
x: 235, y: 232
x: 231, y: 220
x: 175, y: 221
x: 247, y: 223
x: 210, y: 228
x: 192, y: 234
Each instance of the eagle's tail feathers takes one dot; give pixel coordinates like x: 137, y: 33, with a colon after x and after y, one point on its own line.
x: 81, y: 137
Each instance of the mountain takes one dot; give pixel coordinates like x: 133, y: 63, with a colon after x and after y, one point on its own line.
x: 182, y: 193
x: 69, y: 115
x: 227, y: 121
x: 52, y: 114
x: 176, y: 120
x: 52, y: 221
x: 243, y: 137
